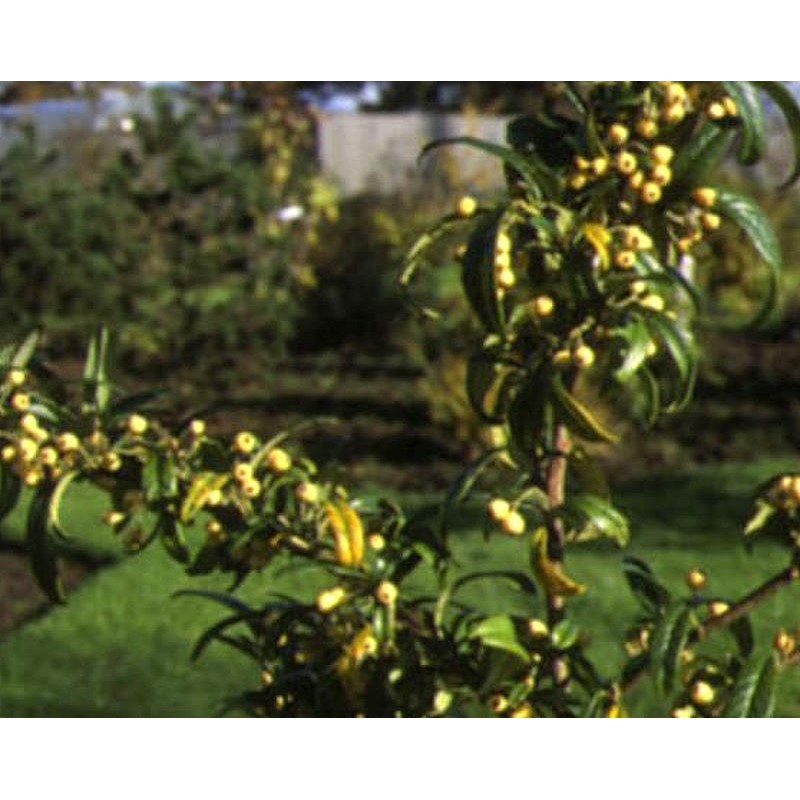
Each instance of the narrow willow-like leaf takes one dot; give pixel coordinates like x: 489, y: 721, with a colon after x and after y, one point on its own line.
x: 43, y: 557
x: 498, y: 632
x: 746, y: 213
x: 526, y: 415
x: 10, y: 487
x: 644, y: 585
x: 701, y: 156
x: 54, y: 507
x: 486, y: 382
x: 577, y: 417
x: 477, y: 274
x: 593, y: 512
x: 786, y: 102
x: 517, y: 161
x: 24, y: 353
x: 751, y: 115
x: 742, y: 631
x: 753, y: 694
x: 669, y: 639
x: 638, y: 340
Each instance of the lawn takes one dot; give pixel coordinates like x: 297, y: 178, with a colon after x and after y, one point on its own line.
x: 121, y: 646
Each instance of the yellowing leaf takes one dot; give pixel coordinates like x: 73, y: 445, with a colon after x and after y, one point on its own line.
x: 599, y: 238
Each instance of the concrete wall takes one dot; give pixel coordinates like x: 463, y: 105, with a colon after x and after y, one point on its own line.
x: 379, y: 151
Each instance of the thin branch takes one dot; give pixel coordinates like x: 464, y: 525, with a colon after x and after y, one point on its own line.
x: 738, y: 610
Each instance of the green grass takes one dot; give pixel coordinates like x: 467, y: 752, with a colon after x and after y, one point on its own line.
x: 121, y: 647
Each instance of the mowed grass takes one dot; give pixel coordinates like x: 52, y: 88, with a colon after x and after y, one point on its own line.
x: 121, y: 646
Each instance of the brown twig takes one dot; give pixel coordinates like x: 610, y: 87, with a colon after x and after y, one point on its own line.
x: 738, y: 610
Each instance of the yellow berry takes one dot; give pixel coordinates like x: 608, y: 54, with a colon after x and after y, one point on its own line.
x: 307, y: 492
x: 674, y: 113
x: 48, y: 456
x: 68, y: 442
x: 627, y: 163
x: 32, y: 477
x: 636, y: 239
x: 538, y: 628
x: 577, y: 181
x: 244, y: 442
x: 636, y: 180
x: 662, y: 154
x: 711, y: 221
x: 513, y: 523
x: 705, y: 196
x: 524, y: 711
x: 502, y: 243
x: 729, y: 104
x: 29, y: 424
x: 376, y: 542
x: 599, y: 166
x: 581, y: 163
x: 702, y: 693
x: 685, y: 244
x: 583, y: 356
x: 136, y: 424
x: 652, y: 301
x: 562, y: 357
x: 329, y: 599
x: 498, y: 703
x: 213, y: 498
x: 502, y: 260
x: 618, y: 134
x: 113, y: 517
x: 651, y: 192
x: 251, y: 488
x: 467, y: 206
x: 27, y: 449
x: 279, y: 460
x: 243, y: 471
x: 498, y: 509
x: 696, y: 579
x: 16, y: 377
x: 647, y: 128
x: 717, y: 608
x: 542, y: 306
x: 8, y: 453
x: 214, y: 528
x: 197, y: 427
x: 386, y: 593
x: 683, y: 712
x: 20, y: 401
x: 716, y: 111
x: 661, y: 174
x: 505, y: 278
x: 676, y: 93
x: 625, y: 259
x: 784, y: 642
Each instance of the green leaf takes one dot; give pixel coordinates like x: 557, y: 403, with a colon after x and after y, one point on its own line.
x: 171, y: 535
x: 10, y: 487
x: 638, y: 339
x: 786, y: 102
x: 753, y: 694
x: 54, y: 507
x: 535, y: 175
x: 746, y: 213
x: 526, y: 415
x: 758, y: 521
x: 159, y: 477
x: 499, y: 633
x: 460, y: 488
x: 669, y: 639
x: 751, y: 115
x: 487, y: 386
x: 592, y: 517
x: 42, y: 552
x: 749, y: 216
x: 96, y: 384
x: 477, y: 274
x: 644, y: 585
x: 565, y: 634
x: 700, y: 158
x: 742, y: 631
x: 24, y: 353
x: 577, y: 417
